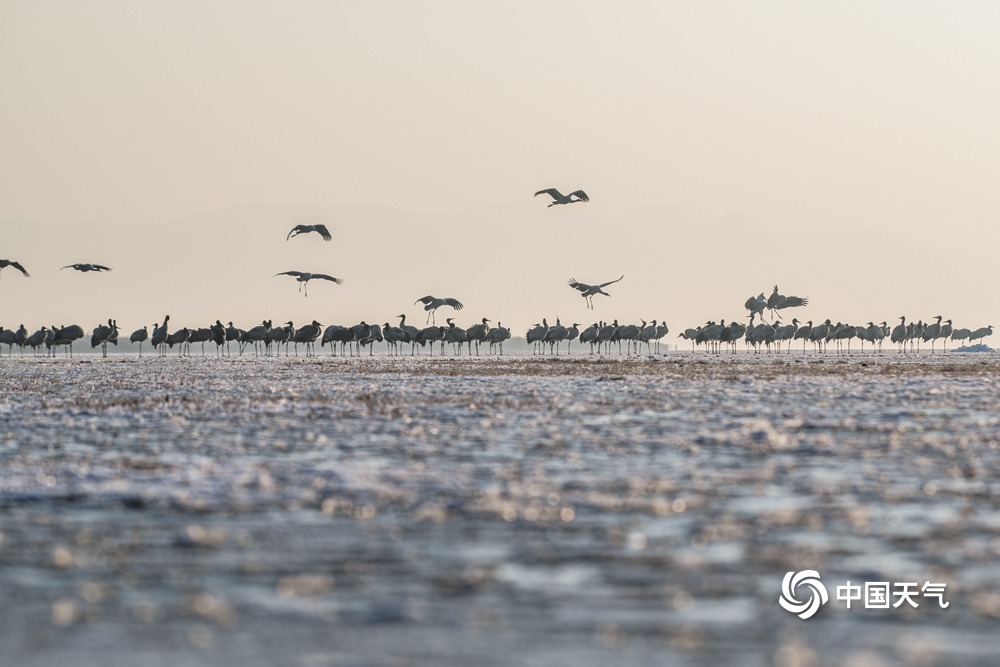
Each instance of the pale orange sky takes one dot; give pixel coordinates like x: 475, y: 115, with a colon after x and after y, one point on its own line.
x: 800, y: 116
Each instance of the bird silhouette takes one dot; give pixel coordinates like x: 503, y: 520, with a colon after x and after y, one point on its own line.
x: 560, y: 198
x: 305, y: 229
x: 304, y: 277
x: 84, y: 268
x: 432, y: 303
x: 588, y: 291
x: 4, y: 263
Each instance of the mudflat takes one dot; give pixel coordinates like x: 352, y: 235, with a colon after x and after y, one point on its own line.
x: 496, y: 510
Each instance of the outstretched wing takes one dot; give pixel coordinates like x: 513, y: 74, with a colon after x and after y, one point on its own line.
x: 612, y: 282
x: 296, y: 230
x: 424, y: 300
x: 101, y: 267
x: 323, y: 276
x: 581, y: 194
x: 21, y: 269
x: 70, y: 266
x: 324, y: 232
x: 454, y: 303
x: 794, y: 302
x: 552, y: 192
x: 288, y: 273
x: 578, y: 286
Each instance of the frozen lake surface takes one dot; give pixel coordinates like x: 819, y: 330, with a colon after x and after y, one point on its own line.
x: 495, y: 511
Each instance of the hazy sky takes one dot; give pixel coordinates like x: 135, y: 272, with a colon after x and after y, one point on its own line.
x: 807, y: 116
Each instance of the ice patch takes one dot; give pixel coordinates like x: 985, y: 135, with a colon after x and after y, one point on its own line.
x: 979, y: 347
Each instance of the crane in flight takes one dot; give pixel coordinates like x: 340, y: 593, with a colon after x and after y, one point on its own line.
x: 560, y: 198
x: 588, y: 291
x: 305, y: 229
x: 304, y: 277
x: 4, y: 263
x: 432, y: 303
x: 84, y: 268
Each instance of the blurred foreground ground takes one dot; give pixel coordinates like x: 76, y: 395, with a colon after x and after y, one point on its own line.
x: 510, y: 511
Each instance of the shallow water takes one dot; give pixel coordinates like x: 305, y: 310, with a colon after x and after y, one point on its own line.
x: 490, y: 511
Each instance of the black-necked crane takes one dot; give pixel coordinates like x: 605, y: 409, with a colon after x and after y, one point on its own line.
x: 932, y: 332
x: 898, y: 335
x: 232, y: 334
x: 589, y: 335
x: 756, y: 305
x: 980, y: 334
x: 139, y: 336
x: 497, y: 335
x: 255, y: 335
x: 946, y: 330
x: 589, y: 291
x: 605, y: 335
x: 160, y: 337
x: 307, y: 335
x: 304, y: 277
x: 411, y: 333
x: 536, y: 335
x: 179, y: 338
x: 393, y: 337
x: 477, y: 334
x: 961, y: 334
x: 36, y: 340
x: 86, y: 268
x: 431, y: 335
x: 786, y: 333
x: 432, y: 303
x: 4, y: 263
x: 572, y: 333
x: 819, y: 334
x: 555, y: 335
x: 20, y: 338
x: 456, y: 335
x: 559, y: 198
x: 218, y: 337
x: 200, y: 335
x: 66, y: 336
x: 780, y: 302
x: 277, y: 336
x: 804, y: 333
x: 8, y: 337
x: 103, y: 335
x: 306, y: 229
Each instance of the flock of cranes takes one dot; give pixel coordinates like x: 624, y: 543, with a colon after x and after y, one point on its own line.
x: 599, y: 334
x: 907, y: 337
x: 265, y: 338
x: 268, y: 339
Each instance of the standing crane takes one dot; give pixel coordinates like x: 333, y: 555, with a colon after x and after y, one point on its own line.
x: 138, y: 336
x: 103, y: 335
x: 160, y: 337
